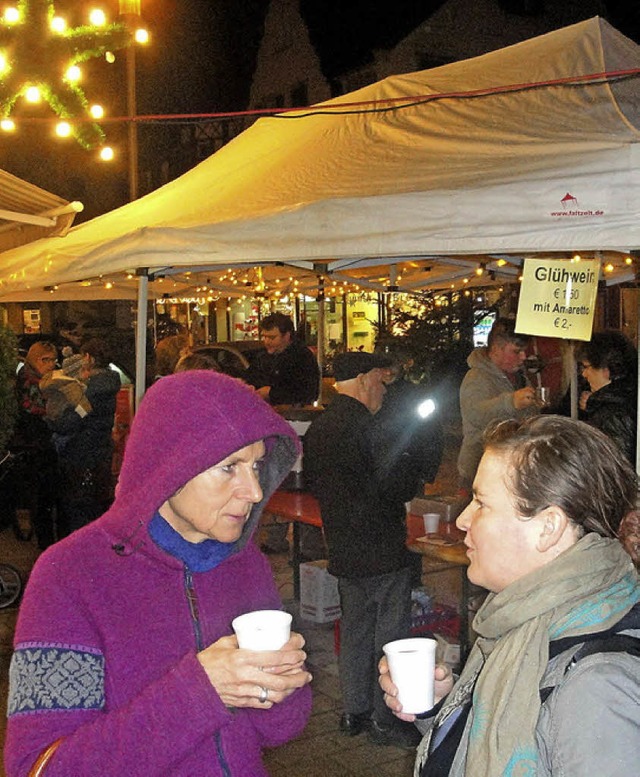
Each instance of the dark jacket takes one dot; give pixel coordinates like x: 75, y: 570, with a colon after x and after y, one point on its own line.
x: 612, y: 409
x: 31, y: 431
x: 362, y: 507
x: 293, y: 375
x: 86, y: 442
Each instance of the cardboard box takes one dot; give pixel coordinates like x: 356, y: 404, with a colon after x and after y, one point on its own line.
x: 319, y: 597
x: 448, y: 651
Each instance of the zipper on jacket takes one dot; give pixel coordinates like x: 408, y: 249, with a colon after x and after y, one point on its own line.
x: 192, y: 600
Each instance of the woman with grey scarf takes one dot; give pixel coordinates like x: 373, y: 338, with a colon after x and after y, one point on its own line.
x: 552, y: 685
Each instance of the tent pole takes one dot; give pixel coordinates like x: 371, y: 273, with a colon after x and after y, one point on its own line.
x: 141, y: 335
x: 320, y: 298
x: 574, y: 380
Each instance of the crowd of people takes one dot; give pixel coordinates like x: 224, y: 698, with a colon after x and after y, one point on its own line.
x: 171, y: 557
x: 62, y: 438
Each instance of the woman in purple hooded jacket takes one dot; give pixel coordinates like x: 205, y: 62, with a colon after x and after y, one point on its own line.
x: 124, y: 651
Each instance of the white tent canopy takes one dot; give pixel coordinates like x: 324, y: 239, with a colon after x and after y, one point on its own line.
x: 526, y: 149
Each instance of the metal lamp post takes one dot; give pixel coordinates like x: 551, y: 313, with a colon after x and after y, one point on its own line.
x: 130, y: 12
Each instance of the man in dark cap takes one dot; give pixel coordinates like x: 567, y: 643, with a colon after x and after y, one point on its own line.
x: 363, y: 515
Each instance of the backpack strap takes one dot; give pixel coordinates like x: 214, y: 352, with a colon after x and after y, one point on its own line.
x: 610, y: 641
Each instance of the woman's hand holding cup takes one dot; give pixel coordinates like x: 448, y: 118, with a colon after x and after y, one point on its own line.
x: 252, y: 678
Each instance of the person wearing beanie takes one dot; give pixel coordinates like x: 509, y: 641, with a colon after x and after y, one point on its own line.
x: 83, y: 436
x: 37, y: 472
x: 124, y: 649
x: 64, y: 390
x: 363, y: 515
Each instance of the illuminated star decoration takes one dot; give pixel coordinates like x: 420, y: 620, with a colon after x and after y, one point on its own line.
x: 33, y: 54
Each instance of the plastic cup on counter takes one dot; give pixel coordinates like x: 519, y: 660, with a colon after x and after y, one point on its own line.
x: 431, y: 522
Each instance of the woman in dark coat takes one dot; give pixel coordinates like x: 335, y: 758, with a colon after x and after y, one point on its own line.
x: 85, y: 444
x: 609, y: 363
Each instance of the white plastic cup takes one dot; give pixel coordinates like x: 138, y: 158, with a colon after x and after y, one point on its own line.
x: 431, y: 522
x: 262, y: 629
x: 412, y: 665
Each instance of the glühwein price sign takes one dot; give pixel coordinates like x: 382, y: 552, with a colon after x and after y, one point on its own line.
x: 558, y: 298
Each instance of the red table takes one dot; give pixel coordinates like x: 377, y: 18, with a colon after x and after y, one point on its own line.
x: 295, y: 507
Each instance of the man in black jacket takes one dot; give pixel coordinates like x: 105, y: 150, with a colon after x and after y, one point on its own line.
x: 363, y: 515
x: 287, y: 374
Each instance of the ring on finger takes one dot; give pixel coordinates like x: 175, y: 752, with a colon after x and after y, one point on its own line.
x: 264, y: 695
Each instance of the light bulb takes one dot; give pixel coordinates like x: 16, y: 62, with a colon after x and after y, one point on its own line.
x: 106, y: 154
x: 4, y: 63
x: 110, y: 57
x: 97, y: 17
x: 58, y: 24
x: 141, y: 35
x: 11, y: 15
x: 7, y: 125
x: 73, y: 73
x: 32, y: 94
x: 63, y: 129
x: 96, y: 111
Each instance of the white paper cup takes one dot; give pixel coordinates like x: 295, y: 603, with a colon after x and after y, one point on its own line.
x: 431, y: 522
x: 412, y: 665
x: 262, y: 629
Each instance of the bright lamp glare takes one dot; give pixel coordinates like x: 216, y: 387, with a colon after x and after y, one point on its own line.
x: 73, y: 73
x: 63, y: 129
x: 7, y: 125
x: 110, y: 57
x: 32, y: 94
x: 11, y: 15
x: 426, y: 408
x: 58, y: 24
x: 97, y: 17
x: 142, y: 35
x: 4, y: 64
x: 106, y: 154
x: 96, y: 111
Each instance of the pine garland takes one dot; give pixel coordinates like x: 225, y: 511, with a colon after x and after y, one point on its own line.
x: 38, y: 56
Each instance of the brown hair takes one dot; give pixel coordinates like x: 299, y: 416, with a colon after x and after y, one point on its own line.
x: 503, y: 331
x: 277, y: 321
x: 39, y: 349
x: 569, y: 464
x: 197, y: 360
x: 99, y: 352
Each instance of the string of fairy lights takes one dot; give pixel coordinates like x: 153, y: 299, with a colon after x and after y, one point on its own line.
x: 41, y: 58
x: 287, y: 285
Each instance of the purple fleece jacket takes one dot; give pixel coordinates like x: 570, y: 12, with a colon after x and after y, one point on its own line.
x: 105, y: 647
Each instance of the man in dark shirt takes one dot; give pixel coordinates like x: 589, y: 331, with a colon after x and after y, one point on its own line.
x: 363, y: 515
x: 288, y: 373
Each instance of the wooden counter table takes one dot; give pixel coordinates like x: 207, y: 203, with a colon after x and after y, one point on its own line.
x: 295, y: 507
x: 442, y: 551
